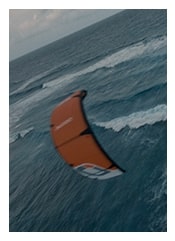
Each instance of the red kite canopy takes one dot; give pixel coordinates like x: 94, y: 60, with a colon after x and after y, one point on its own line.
x: 76, y: 143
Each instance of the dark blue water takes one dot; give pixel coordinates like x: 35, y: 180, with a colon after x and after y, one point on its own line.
x: 121, y: 62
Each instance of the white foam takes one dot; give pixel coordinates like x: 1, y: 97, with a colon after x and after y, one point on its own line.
x: 31, y: 80
x: 18, y: 109
x: 137, y: 119
x: 20, y: 134
x: 128, y: 53
x: 135, y: 51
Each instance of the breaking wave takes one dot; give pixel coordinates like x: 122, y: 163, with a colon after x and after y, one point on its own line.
x: 35, y: 79
x: 137, y: 119
x: 126, y: 54
x: 21, y: 134
x: 46, y: 89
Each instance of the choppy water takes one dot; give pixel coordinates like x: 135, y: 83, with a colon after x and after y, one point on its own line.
x: 121, y: 62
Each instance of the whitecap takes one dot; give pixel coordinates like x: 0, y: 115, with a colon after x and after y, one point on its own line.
x: 125, y: 54
x: 137, y: 119
x: 20, y: 134
x: 133, y: 51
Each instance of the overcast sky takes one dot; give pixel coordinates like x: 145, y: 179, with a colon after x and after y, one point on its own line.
x: 31, y: 29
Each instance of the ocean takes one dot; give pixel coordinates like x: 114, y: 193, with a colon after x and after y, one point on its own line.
x: 122, y: 63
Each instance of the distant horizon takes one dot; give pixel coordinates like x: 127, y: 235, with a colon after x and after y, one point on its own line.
x: 27, y: 43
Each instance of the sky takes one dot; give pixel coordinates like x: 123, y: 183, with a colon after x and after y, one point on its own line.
x: 30, y: 29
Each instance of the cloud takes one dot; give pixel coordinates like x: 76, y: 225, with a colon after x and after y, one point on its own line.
x: 37, y: 27
x: 32, y: 22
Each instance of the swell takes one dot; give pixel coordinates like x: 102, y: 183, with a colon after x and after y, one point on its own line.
x: 34, y: 134
x: 128, y: 53
x: 136, y: 119
x: 37, y: 81
x: 45, y: 90
x: 20, y: 134
x: 129, y: 99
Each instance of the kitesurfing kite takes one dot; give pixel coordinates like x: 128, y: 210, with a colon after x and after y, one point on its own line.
x: 76, y: 143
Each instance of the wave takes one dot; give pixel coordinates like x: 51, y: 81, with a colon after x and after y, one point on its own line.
x: 130, y: 52
x: 137, y: 119
x: 36, y: 78
x: 21, y: 134
x: 126, y: 54
x: 30, y: 81
x: 133, y: 51
x: 20, y: 107
x: 133, y: 96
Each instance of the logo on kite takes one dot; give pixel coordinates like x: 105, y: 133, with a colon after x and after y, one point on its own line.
x: 64, y: 123
x: 76, y: 143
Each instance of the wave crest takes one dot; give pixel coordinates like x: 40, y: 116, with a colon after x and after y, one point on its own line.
x: 137, y: 119
x: 18, y: 108
x: 21, y: 134
x: 128, y: 53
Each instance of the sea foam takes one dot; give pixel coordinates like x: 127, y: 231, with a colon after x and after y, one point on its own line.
x: 133, y: 51
x: 21, y: 134
x: 137, y: 119
x: 128, y: 53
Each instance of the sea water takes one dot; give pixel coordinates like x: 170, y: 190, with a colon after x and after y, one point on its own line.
x: 121, y: 62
